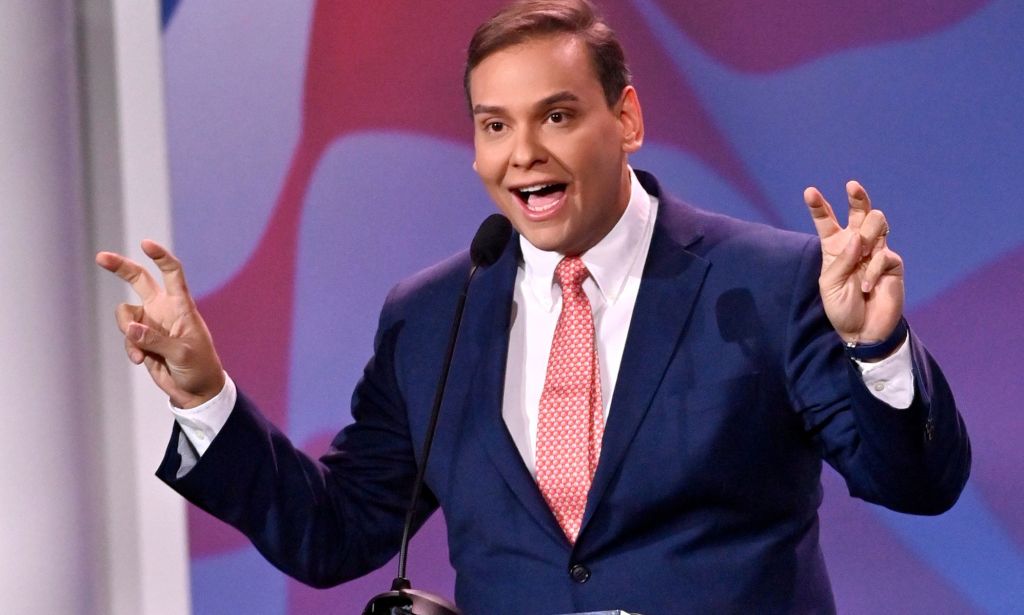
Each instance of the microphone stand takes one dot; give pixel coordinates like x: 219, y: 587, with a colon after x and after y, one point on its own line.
x: 402, y: 599
x: 490, y: 239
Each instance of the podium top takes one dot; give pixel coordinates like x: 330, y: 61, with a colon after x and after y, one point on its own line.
x: 615, y: 612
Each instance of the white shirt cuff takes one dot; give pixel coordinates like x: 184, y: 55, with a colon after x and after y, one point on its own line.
x: 202, y: 423
x: 891, y: 380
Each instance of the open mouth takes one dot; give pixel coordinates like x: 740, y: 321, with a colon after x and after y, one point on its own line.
x: 540, y: 198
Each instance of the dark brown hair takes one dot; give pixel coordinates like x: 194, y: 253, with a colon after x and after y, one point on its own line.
x: 527, y: 19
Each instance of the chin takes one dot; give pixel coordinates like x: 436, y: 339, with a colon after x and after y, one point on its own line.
x: 538, y: 243
x: 545, y: 240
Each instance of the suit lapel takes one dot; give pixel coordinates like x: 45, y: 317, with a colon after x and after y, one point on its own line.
x: 482, y: 351
x: 671, y: 282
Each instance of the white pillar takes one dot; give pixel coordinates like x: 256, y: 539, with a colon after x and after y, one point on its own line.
x: 145, y: 546
x: 85, y: 527
x: 48, y: 520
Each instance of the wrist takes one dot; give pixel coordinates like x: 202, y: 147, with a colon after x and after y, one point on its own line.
x: 876, y: 351
x: 189, y: 400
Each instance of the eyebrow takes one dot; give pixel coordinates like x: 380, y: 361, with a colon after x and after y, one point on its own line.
x: 557, y: 97
x: 563, y: 96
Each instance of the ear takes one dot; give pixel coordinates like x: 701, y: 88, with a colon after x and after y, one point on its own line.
x: 475, y: 170
x: 631, y: 118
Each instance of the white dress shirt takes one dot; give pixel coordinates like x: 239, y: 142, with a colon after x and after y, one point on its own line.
x: 616, y: 265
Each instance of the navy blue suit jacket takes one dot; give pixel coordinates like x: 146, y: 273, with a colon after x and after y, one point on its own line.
x: 732, y: 389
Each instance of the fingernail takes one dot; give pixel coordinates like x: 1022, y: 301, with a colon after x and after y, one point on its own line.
x: 865, y: 286
x: 136, y: 332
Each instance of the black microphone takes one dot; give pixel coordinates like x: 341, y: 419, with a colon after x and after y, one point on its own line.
x: 487, y: 246
x: 489, y: 241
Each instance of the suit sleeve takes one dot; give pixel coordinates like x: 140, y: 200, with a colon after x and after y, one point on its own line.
x: 321, y: 521
x: 913, y: 460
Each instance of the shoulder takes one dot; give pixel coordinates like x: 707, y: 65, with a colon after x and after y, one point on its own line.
x: 724, y: 239
x: 719, y: 232
x: 435, y: 285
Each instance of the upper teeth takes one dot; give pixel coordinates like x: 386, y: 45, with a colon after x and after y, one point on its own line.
x: 535, y: 188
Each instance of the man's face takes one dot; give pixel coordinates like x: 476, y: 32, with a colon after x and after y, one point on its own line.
x: 549, y: 150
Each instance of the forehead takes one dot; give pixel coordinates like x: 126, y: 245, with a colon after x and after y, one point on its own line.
x: 534, y: 69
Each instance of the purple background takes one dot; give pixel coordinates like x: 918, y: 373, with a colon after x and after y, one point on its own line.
x: 320, y: 151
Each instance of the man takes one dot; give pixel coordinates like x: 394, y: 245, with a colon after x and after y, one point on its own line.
x: 642, y: 392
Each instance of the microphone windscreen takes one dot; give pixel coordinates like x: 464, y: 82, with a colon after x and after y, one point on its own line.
x: 490, y: 240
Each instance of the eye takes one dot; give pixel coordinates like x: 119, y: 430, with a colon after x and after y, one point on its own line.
x: 494, y: 127
x: 556, y: 117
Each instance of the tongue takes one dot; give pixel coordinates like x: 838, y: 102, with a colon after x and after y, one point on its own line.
x: 544, y: 199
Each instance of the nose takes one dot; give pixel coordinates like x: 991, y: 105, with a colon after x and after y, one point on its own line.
x: 527, y: 150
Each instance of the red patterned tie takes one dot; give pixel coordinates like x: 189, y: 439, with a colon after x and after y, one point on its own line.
x: 570, y: 421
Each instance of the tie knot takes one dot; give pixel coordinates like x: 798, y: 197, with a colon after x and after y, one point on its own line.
x: 570, y: 273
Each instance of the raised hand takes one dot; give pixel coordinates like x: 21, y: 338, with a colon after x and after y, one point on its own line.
x: 166, y: 332
x: 861, y: 279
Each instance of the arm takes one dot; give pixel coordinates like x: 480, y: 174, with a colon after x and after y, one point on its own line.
x: 321, y: 521
x: 912, y: 460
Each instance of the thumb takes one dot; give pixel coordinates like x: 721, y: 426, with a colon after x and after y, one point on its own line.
x: 845, y: 263
x: 148, y: 339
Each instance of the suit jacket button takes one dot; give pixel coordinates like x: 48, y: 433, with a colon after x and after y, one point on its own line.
x: 929, y: 429
x: 579, y: 573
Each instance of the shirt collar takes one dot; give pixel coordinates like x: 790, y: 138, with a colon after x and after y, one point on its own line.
x: 609, y: 261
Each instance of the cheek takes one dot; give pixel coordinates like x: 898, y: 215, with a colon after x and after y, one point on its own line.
x: 489, y: 167
x: 492, y: 176
x: 591, y: 153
